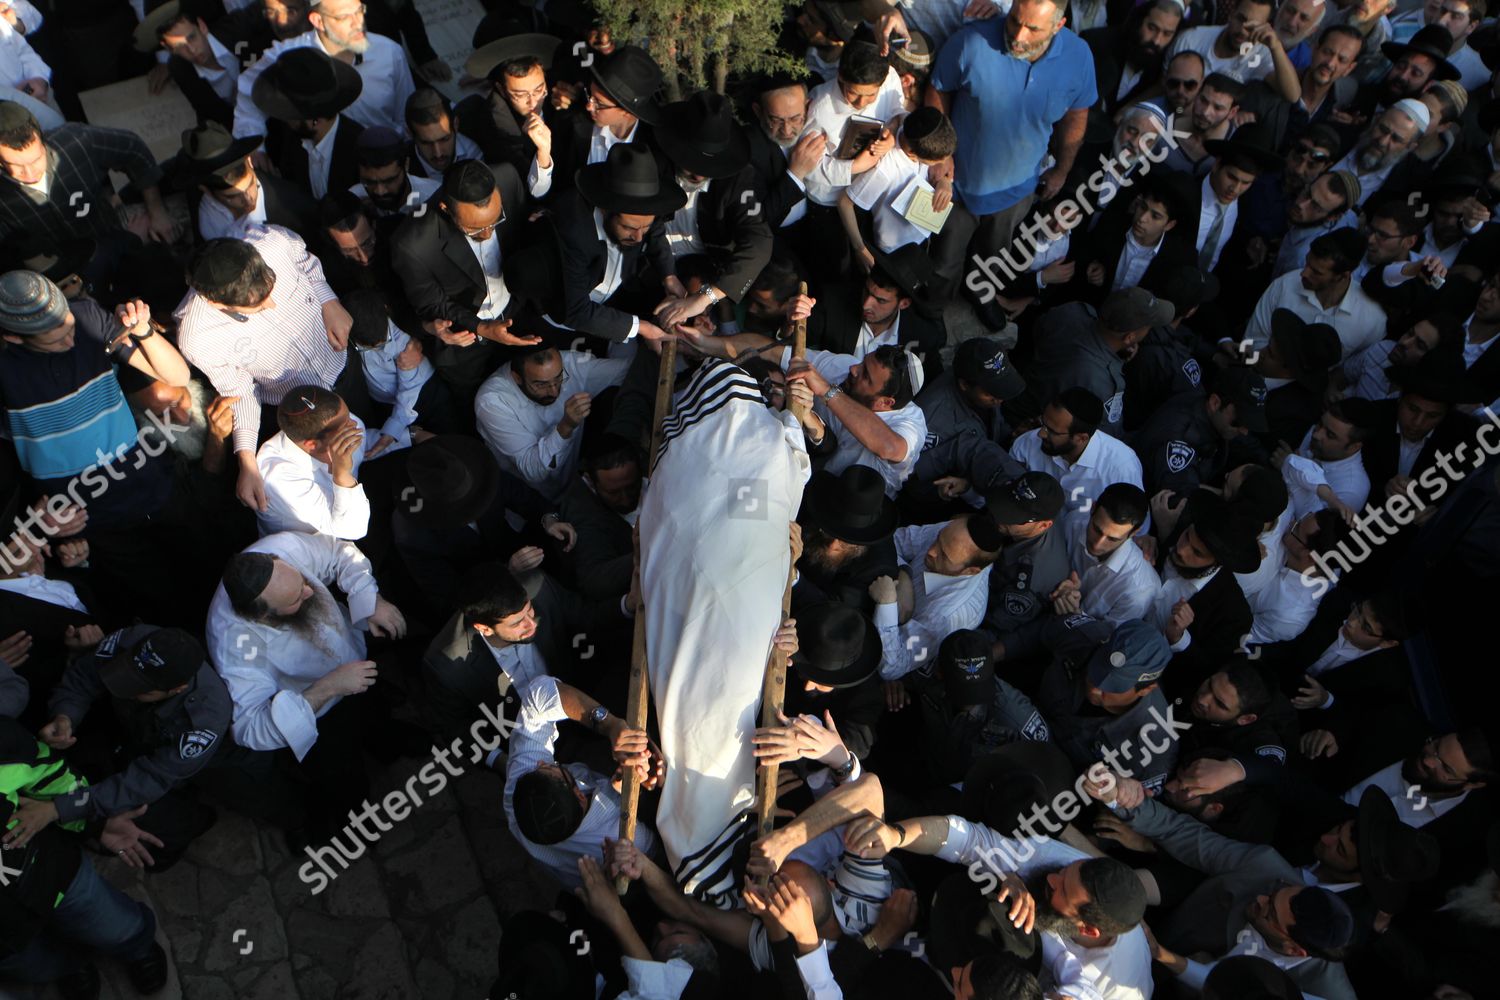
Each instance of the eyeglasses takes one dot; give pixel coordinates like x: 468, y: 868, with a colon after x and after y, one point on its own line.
x: 599, y: 105
x: 1380, y: 234
x: 551, y: 383
x: 483, y: 232
x: 771, y: 387
x: 796, y: 121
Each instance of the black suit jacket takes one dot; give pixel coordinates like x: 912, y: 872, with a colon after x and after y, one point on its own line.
x: 584, y: 255
x: 462, y: 673
x: 207, y: 104
x: 1106, y: 241
x: 1290, y: 410
x: 503, y: 141
x: 1382, y: 448
x: 289, y: 156
x: 733, y: 226
x: 769, y: 164
x: 1221, y: 619
x: 604, y: 552
x: 443, y: 280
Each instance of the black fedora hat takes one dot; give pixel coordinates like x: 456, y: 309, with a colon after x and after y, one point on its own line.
x: 451, y: 478
x: 629, y: 181
x: 1459, y: 174
x: 306, y: 83
x: 632, y: 78
x: 851, y: 506
x: 699, y: 135
x: 1226, y: 533
x: 1434, y: 42
x: 208, y: 148
x: 1308, y: 349
x: 1255, y: 143
x: 512, y: 43
x: 838, y: 646
x: 965, y: 924
x: 1392, y: 855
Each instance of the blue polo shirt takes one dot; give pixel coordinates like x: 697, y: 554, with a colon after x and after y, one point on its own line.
x: 1004, y: 108
x: 67, y: 416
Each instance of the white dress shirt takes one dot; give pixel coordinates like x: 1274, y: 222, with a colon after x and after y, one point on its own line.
x: 520, y: 661
x: 1119, y: 588
x: 382, y: 69
x: 654, y: 980
x: 1283, y: 609
x: 909, y: 422
x: 215, y: 221
x: 1339, y: 652
x: 1472, y: 351
x: 302, y: 496
x: 942, y: 606
x: 266, y: 667
x: 224, y: 79
x: 877, y: 190
x: 258, y: 358
x: 496, y: 295
x: 523, y: 435
x: 44, y: 589
x: 1271, y: 541
x: 682, y: 231
x: 393, y: 386
x: 827, y: 111
x: 1119, y: 971
x: 1105, y: 460
x: 1356, y: 317
x: 1211, y: 209
x: 320, y: 160
x: 1412, y: 808
x: 1410, y: 452
x: 531, y: 744
x: 1304, y: 474
x: 18, y: 60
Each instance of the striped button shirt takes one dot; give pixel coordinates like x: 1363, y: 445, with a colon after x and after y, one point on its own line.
x: 76, y: 202
x: 260, y: 357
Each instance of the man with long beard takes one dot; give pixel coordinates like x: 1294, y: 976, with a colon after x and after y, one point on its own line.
x: 292, y: 657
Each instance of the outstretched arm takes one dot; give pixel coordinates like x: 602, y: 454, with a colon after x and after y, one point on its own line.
x: 842, y: 805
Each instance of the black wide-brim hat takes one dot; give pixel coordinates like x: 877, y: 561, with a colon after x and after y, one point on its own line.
x: 629, y: 181
x: 1440, y: 376
x: 451, y: 478
x: 633, y: 79
x: 306, y: 83
x: 486, y: 61
x: 1308, y: 349
x: 699, y: 135
x: 1392, y: 855
x: 837, y: 646
x: 851, y: 506
x: 1232, y: 539
x: 208, y: 148
x: 1253, y: 142
x: 1434, y: 42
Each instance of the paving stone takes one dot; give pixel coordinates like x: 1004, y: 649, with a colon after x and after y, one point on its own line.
x: 234, y: 849
x: 332, y: 942
x: 467, y: 944
x: 315, y: 983
x: 254, y: 911
x: 358, y: 892
x: 206, y: 988
x: 435, y: 981
x: 435, y: 874
x: 277, y: 983
x: 380, y: 970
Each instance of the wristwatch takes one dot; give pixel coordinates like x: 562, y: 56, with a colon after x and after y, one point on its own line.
x: 833, y: 393
x: 597, y: 715
x: 713, y: 297
x: 845, y: 769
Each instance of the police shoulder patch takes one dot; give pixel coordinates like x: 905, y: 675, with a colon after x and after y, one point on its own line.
x: 1272, y: 750
x: 1077, y: 620
x: 1036, y: 729
x: 1192, y: 371
x: 1018, y: 604
x: 196, y: 743
x: 1180, y: 455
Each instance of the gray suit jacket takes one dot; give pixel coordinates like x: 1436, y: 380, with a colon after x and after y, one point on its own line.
x: 1211, y: 918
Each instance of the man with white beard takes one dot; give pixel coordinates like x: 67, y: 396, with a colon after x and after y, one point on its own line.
x: 779, y: 157
x: 1381, y: 151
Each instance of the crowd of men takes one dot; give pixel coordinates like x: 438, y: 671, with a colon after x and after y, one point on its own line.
x: 1134, y: 638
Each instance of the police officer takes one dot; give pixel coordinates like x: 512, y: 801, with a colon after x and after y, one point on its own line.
x: 1188, y: 441
x: 967, y: 438
x: 1033, y: 561
x: 1102, y: 697
x: 1164, y: 365
x: 173, y: 714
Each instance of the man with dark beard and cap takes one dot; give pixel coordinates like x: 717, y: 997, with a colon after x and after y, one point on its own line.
x: 1128, y: 56
x: 1201, y: 609
x: 847, y: 523
x: 384, y: 181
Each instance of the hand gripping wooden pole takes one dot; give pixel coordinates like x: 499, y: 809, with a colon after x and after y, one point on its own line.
x: 773, y: 688
x: 636, y: 707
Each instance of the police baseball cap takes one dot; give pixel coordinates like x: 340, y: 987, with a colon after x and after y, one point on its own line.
x: 1135, y: 309
x: 1135, y: 654
x: 1030, y: 497
x: 982, y: 361
x: 1246, y: 389
x: 142, y: 659
x: 967, y: 666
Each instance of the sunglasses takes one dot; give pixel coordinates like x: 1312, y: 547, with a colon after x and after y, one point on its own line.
x: 1312, y: 153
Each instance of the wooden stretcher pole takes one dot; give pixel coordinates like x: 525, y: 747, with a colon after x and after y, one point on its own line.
x: 638, y: 704
x: 773, y: 688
